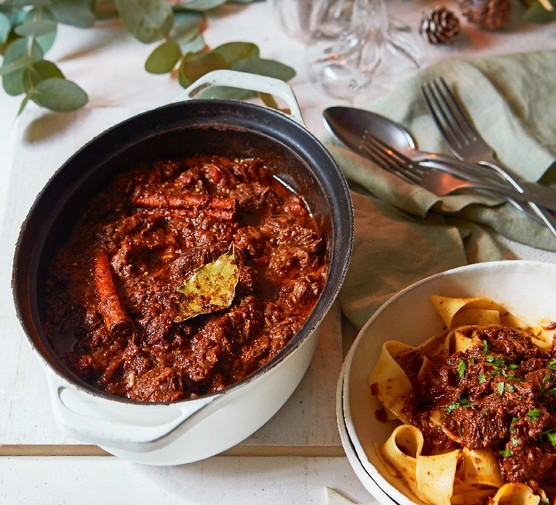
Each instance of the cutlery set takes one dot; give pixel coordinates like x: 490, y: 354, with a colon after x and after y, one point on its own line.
x: 473, y: 167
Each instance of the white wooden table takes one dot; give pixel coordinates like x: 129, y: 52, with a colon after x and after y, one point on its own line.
x: 298, y: 453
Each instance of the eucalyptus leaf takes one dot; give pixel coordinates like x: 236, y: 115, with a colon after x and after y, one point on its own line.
x: 24, y: 53
x: 26, y: 3
x: 211, y: 288
x: 146, y: 20
x: 78, y: 13
x: 5, y: 27
x: 40, y: 14
x: 204, y: 5
x: 538, y: 14
x: 269, y: 68
x: 40, y: 71
x: 59, y: 95
x: 23, y: 104
x: 164, y: 58
x: 187, y: 25
x: 269, y: 100
x: 36, y: 28
x: 21, y: 64
x: 17, y: 17
x: 227, y: 93
x: 233, y: 52
x: 197, y: 65
x: 195, y: 45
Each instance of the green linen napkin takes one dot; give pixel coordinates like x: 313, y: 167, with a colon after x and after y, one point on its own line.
x: 404, y: 233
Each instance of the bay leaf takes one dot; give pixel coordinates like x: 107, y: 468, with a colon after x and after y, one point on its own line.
x: 211, y: 288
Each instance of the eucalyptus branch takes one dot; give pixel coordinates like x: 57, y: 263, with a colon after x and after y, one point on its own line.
x: 28, y: 29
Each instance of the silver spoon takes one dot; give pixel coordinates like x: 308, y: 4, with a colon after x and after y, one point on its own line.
x: 351, y: 125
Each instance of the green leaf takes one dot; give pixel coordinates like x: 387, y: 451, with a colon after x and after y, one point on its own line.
x: 462, y: 367
x: 538, y: 14
x: 59, y: 95
x: 233, y: 52
x: 270, y: 68
x: 146, y: 20
x: 534, y: 414
x: 227, y: 93
x: 78, y: 13
x: 21, y: 64
x: 23, y: 104
x: 40, y: 71
x: 195, y: 45
x: 203, y: 5
x: 17, y: 17
x: 551, y: 437
x: 35, y: 28
x: 5, y: 27
x: 211, y: 288
x: 40, y: 15
x: 187, y: 25
x: 19, y: 55
x: 268, y: 100
x: 164, y: 58
x: 25, y: 3
x: 197, y: 65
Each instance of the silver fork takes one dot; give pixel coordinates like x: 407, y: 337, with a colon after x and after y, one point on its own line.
x: 438, y: 182
x: 465, y: 141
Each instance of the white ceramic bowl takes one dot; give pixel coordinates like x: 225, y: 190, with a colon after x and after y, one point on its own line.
x: 526, y: 288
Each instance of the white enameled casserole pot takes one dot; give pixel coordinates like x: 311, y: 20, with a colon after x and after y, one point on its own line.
x: 189, y: 430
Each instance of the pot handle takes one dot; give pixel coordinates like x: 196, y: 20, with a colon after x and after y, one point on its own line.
x: 244, y: 80
x: 104, y: 422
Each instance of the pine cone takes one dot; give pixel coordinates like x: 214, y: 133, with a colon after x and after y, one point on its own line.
x: 489, y: 14
x: 440, y: 25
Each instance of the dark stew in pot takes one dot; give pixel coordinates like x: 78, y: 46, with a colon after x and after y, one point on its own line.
x: 183, y: 277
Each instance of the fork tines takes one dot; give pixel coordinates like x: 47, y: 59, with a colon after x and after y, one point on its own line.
x: 389, y: 159
x: 449, y: 117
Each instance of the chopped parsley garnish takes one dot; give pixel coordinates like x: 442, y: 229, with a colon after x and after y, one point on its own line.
x: 462, y: 402
x: 551, y: 364
x: 500, y: 388
x: 551, y: 437
x: 506, y: 453
x: 534, y: 414
x: 462, y: 366
x: 482, y: 378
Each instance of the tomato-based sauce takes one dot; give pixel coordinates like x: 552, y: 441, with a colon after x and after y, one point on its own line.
x: 113, y: 309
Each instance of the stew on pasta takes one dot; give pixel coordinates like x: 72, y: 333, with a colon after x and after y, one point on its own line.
x: 477, y: 405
